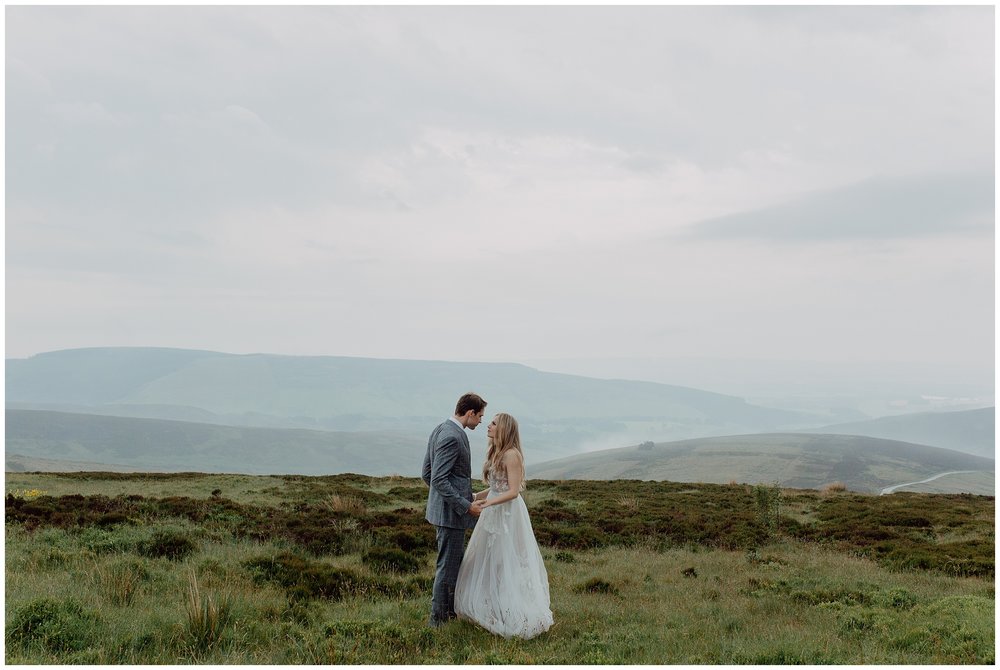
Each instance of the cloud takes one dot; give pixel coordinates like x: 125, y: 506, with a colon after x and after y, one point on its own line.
x: 878, y: 208
x: 447, y: 181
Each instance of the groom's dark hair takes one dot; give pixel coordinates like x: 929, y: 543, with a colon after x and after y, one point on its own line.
x: 469, y: 401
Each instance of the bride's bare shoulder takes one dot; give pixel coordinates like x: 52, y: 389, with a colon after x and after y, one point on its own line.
x: 512, y: 457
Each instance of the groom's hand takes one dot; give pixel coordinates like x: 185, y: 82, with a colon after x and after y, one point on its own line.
x: 476, y: 508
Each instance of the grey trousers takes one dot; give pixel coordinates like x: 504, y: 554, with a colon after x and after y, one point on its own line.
x: 451, y: 548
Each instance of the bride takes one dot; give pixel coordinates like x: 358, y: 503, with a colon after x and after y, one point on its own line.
x: 502, y: 584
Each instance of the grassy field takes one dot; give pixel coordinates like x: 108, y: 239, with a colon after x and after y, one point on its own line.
x: 221, y: 569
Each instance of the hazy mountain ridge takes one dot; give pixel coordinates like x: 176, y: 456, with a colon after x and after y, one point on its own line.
x: 969, y: 431
x: 155, y: 444
x: 340, y: 414
x: 556, y: 411
x: 794, y: 460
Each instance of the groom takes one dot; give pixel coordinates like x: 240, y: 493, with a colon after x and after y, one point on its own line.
x: 448, y: 471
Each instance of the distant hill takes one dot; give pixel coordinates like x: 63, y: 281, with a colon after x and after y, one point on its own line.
x: 558, y: 413
x: 157, y: 445
x: 793, y: 460
x: 970, y: 431
x: 22, y: 463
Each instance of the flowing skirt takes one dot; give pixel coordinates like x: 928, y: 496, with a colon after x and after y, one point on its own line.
x: 502, y: 584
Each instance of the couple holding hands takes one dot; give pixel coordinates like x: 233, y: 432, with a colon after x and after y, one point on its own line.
x: 499, y: 581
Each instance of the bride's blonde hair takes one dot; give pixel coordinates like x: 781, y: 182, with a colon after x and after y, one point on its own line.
x: 505, y: 437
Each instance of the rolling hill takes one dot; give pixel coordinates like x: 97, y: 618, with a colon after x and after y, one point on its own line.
x: 793, y: 460
x: 158, y: 445
x: 969, y: 431
x: 559, y: 413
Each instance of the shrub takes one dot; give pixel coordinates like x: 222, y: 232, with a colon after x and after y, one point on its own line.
x: 409, y: 538
x: 408, y: 493
x: 900, y: 599
x: 105, y: 541
x: 768, y: 500
x: 863, y: 621
x: 390, y: 560
x: 57, y: 626
x: 597, y: 585
x: 565, y: 557
x: 580, y: 538
x: 173, y: 545
x: 111, y: 519
x: 304, y: 579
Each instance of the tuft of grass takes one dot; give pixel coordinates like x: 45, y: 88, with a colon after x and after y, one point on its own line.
x: 597, y: 585
x: 120, y: 580
x: 833, y: 487
x: 628, y: 503
x: 207, y: 616
x: 348, y: 504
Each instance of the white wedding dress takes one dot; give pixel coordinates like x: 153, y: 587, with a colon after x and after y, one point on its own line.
x: 502, y: 584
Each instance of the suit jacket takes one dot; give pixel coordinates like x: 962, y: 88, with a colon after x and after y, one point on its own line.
x: 448, y: 471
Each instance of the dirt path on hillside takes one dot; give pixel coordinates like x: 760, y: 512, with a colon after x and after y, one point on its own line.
x: 890, y: 489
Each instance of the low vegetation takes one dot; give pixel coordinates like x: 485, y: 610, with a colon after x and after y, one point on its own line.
x: 221, y: 569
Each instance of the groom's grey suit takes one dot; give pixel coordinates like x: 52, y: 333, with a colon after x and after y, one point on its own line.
x: 448, y: 471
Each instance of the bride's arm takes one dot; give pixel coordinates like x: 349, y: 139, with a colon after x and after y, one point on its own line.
x: 511, y: 461
x: 481, y: 495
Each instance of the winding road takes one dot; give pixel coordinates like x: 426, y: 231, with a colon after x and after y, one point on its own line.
x: 890, y: 489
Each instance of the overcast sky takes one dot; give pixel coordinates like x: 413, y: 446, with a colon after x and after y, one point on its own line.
x: 504, y: 183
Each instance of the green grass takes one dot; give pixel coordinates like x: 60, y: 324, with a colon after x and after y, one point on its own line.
x: 258, y: 583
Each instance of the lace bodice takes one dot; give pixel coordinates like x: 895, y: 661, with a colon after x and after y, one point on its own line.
x: 498, y: 481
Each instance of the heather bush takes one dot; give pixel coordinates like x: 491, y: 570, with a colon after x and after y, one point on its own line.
x: 597, y: 585
x: 390, y: 560
x: 171, y: 544
x: 305, y: 578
